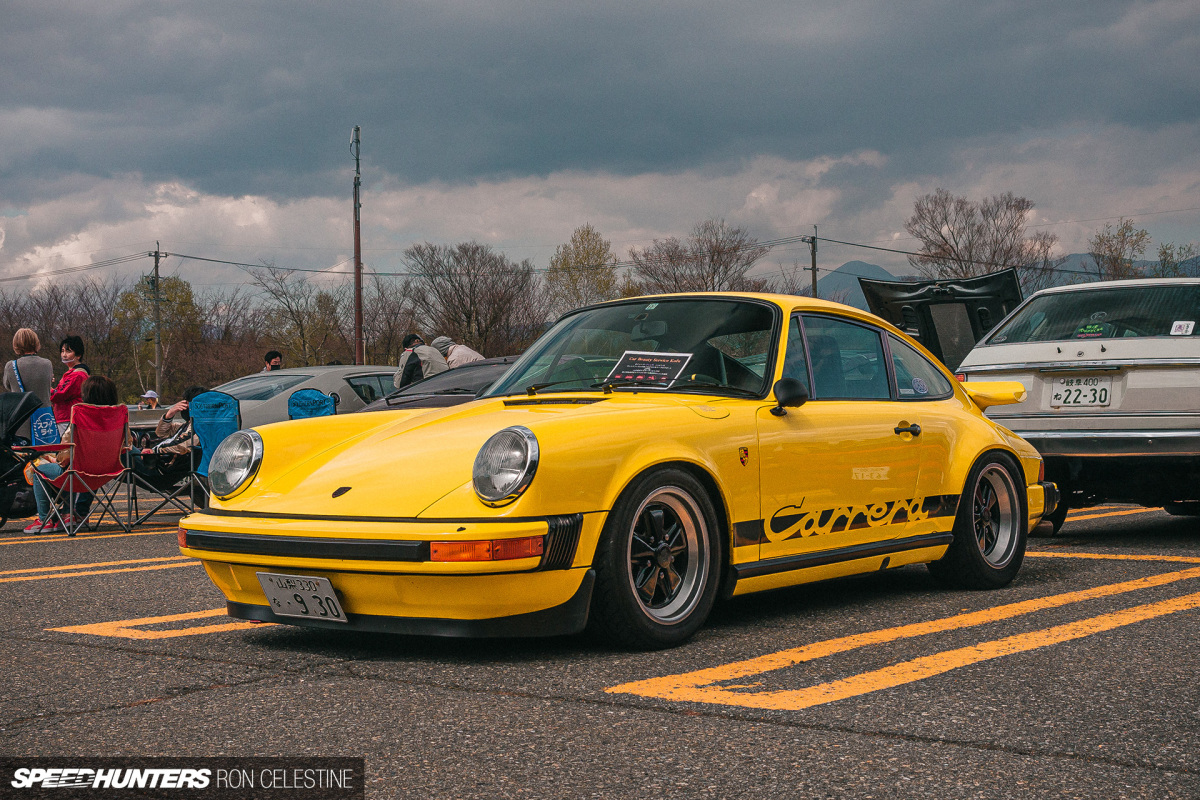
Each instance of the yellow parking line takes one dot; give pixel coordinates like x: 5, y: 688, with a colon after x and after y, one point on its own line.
x: 129, y: 628
x: 190, y: 563
x: 1124, y: 513
x: 697, y: 686
x: 96, y: 564
x: 939, y: 663
x: 88, y: 536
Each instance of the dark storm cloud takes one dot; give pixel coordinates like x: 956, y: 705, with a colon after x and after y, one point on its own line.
x: 238, y: 98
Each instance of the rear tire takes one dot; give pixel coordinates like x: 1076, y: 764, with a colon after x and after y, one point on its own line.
x: 1057, y: 518
x: 990, y: 529
x: 657, y: 565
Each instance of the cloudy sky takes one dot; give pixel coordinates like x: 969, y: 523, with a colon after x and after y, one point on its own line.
x: 221, y: 129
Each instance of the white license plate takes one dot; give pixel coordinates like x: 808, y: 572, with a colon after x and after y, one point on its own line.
x: 1075, y: 392
x: 301, y: 596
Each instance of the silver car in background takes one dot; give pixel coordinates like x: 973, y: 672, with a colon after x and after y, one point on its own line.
x: 263, y: 396
x: 1112, y: 372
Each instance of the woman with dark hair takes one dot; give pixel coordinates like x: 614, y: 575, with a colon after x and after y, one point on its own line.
x: 97, y: 391
x: 70, y: 385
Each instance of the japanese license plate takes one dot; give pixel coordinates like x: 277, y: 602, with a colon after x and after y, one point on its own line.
x: 1081, y: 392
x: 301, y: 596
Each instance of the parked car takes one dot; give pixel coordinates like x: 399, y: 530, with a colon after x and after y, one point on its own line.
x: 1112, y: 375
x: 459, y: 385
x: 263, y: 396
x: 642, y: 458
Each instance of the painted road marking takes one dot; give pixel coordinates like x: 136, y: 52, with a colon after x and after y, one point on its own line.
x: 1124, y: 513
x: 87, y: 536
x: 81, y: 570
x: 131, y: 628
x: 928, y: 666
x: 700, y: 685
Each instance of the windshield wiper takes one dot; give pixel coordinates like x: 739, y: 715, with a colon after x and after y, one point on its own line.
x: 608, y: 386
x: 710, y: 385
x: 533, y: 389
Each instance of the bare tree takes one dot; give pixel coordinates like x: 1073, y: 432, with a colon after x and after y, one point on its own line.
x: 962, y: 238
x: 388, y: 316
x: 476, y: 296
x: 1115, y: 250
x: 305, y: 320
x: 582, y: 271
x: 714, y: 258
x: 1176, y: 261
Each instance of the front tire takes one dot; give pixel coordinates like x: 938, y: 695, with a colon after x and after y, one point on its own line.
x: 657, y: 564
x: 990, y: 530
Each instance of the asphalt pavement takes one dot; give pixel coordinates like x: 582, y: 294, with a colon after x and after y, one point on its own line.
x: 1078, y: 680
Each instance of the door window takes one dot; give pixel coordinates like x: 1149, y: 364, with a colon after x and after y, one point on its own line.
x: 916, y: 378
x: 795, y: 362
x: 847, y: 360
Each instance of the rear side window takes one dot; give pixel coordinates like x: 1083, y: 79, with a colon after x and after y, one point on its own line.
x: 263, y: 386
x: 847, y: 360
x: 1117, y: 312
x: 916, y: 377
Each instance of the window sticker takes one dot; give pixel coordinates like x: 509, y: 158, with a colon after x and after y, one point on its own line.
x: 651, y: 306
x: 919, y: 386
x: 1182, y: 327
x: 1090, y: 331
x: 652, y: 370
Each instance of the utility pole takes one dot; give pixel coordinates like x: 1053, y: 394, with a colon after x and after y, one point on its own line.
x: 157, y: 325
x: 359, y: 344
x: 812, y: 242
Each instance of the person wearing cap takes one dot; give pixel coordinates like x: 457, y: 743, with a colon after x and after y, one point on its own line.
x: 456, y: 354
x: 149, y: 400
x: 417, y: 362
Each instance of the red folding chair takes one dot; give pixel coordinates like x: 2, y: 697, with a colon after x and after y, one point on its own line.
x: 99, y: 441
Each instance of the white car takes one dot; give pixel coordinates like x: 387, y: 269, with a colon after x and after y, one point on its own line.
x: 1112, y: 374
x: 263, y: 396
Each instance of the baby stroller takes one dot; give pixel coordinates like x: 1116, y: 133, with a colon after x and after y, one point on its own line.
x: 16, y: 495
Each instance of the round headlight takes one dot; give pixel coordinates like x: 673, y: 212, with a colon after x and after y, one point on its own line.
x: 234, y: 462
x: 505, y: 465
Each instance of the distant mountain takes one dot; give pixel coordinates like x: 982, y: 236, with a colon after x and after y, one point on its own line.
x: 842, y: 284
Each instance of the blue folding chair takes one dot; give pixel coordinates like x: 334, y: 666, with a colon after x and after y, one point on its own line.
x: 214, y: 416
x: 306, y: 403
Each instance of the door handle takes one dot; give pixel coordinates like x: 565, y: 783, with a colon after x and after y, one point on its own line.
x: 914, y: 429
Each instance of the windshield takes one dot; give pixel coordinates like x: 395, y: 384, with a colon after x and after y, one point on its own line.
x: 722, y: 346
x: 1116, y: 312
x: 263, y: 386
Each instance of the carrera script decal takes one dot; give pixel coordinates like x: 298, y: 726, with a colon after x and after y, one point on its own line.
x: 793, y: 522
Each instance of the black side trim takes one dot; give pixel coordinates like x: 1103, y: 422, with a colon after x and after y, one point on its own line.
x: 226, y: 512
x: 748, y: 533
x: 788, y: 563
x: 561, y: 541
x: 570, y: 617
x: 309, y: 546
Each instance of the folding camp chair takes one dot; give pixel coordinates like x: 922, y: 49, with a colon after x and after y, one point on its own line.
x: 171, y: 490
x: 98, y: 448
x: 306, y: 403
x: 214, y: 416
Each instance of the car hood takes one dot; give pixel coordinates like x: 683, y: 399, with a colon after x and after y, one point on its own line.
x: 396, y: 464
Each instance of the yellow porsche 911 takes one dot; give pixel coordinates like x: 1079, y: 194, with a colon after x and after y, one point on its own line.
x: 643, y: 458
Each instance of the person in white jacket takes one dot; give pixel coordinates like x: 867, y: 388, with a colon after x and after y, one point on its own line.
x: 418, y: 361
x: 456, y: 354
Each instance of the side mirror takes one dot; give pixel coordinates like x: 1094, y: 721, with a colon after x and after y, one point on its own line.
x: 789, y: 393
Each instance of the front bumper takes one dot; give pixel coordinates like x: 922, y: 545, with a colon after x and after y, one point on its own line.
x: 386, y: 581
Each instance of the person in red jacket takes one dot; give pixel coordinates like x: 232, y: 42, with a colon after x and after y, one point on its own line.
x: 70, y: 385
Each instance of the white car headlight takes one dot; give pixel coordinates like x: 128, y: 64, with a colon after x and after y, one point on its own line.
x: 234, y: 462
x: 505, y: 465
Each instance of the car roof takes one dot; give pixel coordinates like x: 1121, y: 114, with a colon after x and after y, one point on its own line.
x: 1132, y: 283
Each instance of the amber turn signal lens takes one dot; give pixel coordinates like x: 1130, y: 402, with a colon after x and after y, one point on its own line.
x: 182, y: 536
x: 1041, y: 471
x: 497, y: 550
